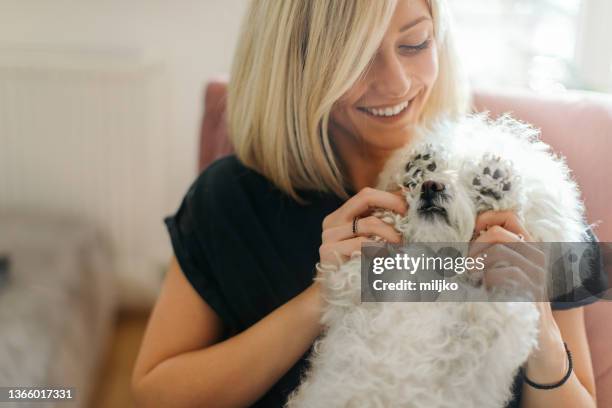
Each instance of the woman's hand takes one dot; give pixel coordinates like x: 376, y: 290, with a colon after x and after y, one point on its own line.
x: 339, y: 242
x: 523, y: 265
x: 520, y: 265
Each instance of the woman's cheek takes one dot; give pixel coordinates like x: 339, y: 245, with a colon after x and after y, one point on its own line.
x: 425, y: 70
x: 340, y: 118
x: 428, y: 66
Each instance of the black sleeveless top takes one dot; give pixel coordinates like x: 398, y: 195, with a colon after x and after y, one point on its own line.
x: 247, y: 248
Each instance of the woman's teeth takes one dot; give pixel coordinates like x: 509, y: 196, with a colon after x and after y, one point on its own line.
x: 389, y: 111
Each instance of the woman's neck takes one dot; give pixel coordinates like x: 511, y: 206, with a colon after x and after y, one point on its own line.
x: 361, y: 163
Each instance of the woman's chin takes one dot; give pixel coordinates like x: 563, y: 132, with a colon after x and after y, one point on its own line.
x: 388, y: 140
x: 379, y: 133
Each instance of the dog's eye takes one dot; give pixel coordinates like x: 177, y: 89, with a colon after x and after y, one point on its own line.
x: 431, y: 167
x: 408, y: 166
x: 409, y: 184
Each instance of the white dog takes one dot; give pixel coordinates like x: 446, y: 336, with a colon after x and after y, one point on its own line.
x: 443, y: 354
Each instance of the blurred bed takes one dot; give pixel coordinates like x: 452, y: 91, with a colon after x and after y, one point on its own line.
x: 57, y: 303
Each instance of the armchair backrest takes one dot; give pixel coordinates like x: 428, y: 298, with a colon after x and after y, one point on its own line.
x: 577, y: 125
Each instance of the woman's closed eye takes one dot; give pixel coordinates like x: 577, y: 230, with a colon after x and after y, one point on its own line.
x: 414, y: 49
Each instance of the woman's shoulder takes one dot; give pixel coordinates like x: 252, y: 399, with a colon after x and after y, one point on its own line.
x: 223, y: 173
x: 227, y: 178
x: 227, y: 165
x: 228, y: 188
x: 229, y: 192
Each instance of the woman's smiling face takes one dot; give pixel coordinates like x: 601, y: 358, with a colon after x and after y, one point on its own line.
x: 381, y: 107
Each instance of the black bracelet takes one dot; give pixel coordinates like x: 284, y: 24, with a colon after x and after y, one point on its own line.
x: 557, y: 384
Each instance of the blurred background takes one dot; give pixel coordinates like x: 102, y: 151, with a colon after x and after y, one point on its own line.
x: 101, y: 105
x: 542, y: 45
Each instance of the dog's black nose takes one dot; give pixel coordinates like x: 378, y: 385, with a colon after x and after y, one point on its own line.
x: 430, y: 189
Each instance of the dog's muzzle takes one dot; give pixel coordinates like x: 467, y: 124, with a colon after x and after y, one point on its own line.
x: 433, y: 196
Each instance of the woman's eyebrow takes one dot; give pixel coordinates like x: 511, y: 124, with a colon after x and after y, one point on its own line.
x: 413, y: 23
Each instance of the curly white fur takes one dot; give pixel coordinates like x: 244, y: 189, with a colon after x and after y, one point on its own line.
x: 443, y: 354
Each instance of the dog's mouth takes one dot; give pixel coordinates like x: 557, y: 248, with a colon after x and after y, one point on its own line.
x: 432, y: 211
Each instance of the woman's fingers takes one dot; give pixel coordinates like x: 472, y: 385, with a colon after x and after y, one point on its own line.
x: 505, y: 219
x: 514, y: 278
x: 339, y: 240
x: 499, y: 235
x: 509, y: 258
x: 366, y: 227
x: 493, y: 227
x: 493, y: 235
x: 362, y: 202
x: 501, y: 254
x: 501, y: 261
x: 338, y: 252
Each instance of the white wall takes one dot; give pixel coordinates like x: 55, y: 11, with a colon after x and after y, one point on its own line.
x: 193, y: 40
x: 594, y: 63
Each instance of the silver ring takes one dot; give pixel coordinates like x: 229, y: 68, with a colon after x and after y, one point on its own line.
x: 355, y: 232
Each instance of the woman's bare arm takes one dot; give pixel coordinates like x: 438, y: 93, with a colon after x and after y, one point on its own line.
x: 579, y: 390
x: 182, y: 363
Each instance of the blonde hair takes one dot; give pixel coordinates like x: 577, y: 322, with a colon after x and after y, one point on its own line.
x: 293, y: 61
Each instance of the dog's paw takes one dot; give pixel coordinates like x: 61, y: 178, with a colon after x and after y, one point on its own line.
x: 425, y: 160
x: 494, y: 184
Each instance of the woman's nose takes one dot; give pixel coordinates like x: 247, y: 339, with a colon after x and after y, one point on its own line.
x: 390, y: 78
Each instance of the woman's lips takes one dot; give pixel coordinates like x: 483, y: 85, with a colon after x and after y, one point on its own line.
x: 387, y: 111
x: 388, y: 114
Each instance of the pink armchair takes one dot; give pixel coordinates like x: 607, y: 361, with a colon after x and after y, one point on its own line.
x: 577, y: 125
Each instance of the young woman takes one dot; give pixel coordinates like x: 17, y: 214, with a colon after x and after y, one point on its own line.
x: 321, y: 92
